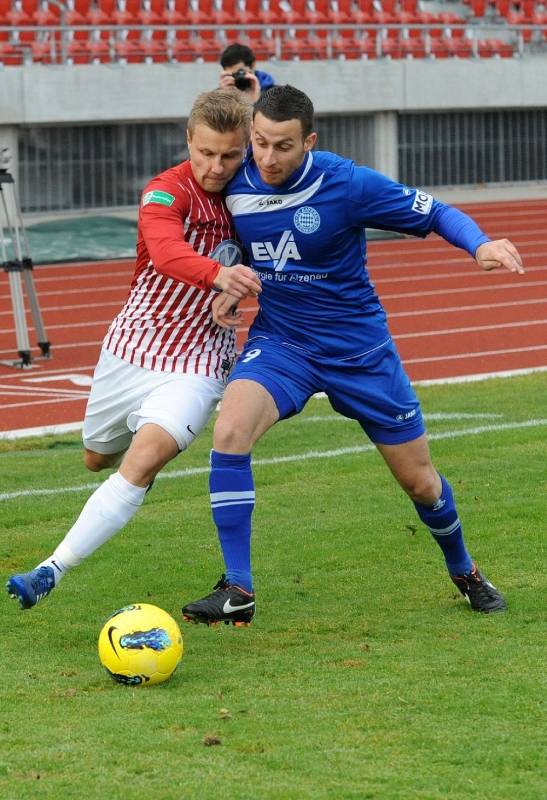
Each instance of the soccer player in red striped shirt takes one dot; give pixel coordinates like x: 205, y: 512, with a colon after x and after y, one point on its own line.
x: 164, y: 362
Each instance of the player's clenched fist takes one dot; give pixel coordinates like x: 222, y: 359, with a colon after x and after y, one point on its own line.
x: 239, y: 281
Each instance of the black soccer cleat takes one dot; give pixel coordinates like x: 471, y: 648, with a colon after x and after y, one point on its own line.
x: 479, y: 592
x: 227, y: 603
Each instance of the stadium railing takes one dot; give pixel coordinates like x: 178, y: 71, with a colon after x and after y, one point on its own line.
x: 126, y: 44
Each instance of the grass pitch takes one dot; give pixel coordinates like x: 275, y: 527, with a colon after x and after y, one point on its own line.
x: 364, y: 675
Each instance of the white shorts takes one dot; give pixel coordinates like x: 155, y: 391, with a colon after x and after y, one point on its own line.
x: 124, y: 397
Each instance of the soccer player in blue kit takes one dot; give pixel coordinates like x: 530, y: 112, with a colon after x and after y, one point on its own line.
x: 321, y: 328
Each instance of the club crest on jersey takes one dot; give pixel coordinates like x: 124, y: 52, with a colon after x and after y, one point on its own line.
x: 266, y: 251
x: 422, y: 202
x: 163, y: 198
x: 307, y: 220
x: 228, y: 253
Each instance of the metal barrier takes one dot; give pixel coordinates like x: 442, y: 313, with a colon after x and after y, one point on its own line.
x: 61, y: 44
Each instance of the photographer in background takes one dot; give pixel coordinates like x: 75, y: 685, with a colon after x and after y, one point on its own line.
x: 238, y: 62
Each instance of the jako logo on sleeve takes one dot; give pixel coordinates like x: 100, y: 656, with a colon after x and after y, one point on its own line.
x: 422, y: 202
x: 265, y: 251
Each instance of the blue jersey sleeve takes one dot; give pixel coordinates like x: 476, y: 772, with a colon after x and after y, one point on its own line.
x: 459, y: 229
x: 376, y: 201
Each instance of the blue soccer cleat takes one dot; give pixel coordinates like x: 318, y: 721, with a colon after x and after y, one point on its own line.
x: 31, y: 587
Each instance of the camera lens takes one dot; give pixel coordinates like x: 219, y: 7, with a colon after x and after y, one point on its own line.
x: 241, y: 80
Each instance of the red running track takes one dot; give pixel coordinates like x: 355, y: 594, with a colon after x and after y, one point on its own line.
x: 449, y: 318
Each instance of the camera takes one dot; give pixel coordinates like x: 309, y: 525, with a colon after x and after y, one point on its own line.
x: 242, y: 82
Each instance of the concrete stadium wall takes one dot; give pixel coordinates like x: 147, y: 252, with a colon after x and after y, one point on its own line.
x: 81, y: 94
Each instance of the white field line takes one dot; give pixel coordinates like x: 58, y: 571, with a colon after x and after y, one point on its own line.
x: 312, y: 454
x: 459, y: 309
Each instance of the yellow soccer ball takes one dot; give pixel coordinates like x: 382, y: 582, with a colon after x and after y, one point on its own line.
x: 140, y: 645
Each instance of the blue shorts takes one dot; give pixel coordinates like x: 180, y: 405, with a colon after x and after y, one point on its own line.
x: 372, y: 388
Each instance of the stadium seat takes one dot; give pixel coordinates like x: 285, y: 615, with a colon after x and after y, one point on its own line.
x: 502, y: 8
x: 121, y: 14
x: 294, y: 45
x: 11, y: 54
x: 287, y: 13
x: 45, y: 15
x: 266, y: 46
x: 146, y: 15
x: 518, y: 18
x: 17, y: 16
x: 74, y: 17
x: 495, y: 48
x: 220, y: 12
x: 539, y: 18
x: 153, y: 47
x: 96, y: 15
x: 266, y: 14
x: 172, y: 15
x: 243, y: 15
x: 336, y: 15
x: 76, y: 52
x: 360, y: 44
x: 41, y: 49
x: 195, y: 15
x: 412, y: 46
x: 314, y: 15
x: 317, y: 44
x: 98, y: 47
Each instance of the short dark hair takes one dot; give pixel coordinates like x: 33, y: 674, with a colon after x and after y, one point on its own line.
x: 235, y: 53
x: 281, y: 103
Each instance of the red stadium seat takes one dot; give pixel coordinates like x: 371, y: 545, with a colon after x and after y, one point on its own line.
x: 360, y: 44
x: 519, y: 18
x: 312, y: 15
x: 76, y: 52
x: 195, y: 15
x: 11, y: 54
x: 172, y: 15
x: 73, y: 16
x: 242, y: 15
x: 266, y: 14
x: 412, y: 47
x: 286, y: 13
x: 337, y: 15
x: 98, y: 47
x: 146, y: 15
x: 317, y: 44
x: 121, y: 15
x: 17, y: 16
x: 45, y: 15
x: 495, y: 48
x: 41, y: 50
x: 98, y: 16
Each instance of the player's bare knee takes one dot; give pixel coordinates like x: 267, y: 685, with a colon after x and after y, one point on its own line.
x: 423, y: 489
x: 95, y: 462
x: 232, y: 437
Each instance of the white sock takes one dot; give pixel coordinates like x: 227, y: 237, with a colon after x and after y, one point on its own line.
x: 109, y: 508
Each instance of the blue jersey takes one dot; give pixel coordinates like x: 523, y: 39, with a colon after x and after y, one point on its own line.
x: 306, y: 242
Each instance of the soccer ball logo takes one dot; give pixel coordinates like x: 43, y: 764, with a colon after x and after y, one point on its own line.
x: 140, y: 645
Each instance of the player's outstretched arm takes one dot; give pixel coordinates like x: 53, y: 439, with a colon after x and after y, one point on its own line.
x: 500, y: 254
x: 239, y: 281
x: 225, y: 311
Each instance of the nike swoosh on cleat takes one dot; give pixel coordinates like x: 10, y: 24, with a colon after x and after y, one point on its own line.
x: 228, y: 608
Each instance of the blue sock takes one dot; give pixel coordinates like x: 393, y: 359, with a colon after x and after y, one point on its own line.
x: 443, y: 522
x: 232, y: 501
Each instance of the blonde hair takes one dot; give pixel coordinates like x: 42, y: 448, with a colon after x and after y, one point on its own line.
x: 222, y: 110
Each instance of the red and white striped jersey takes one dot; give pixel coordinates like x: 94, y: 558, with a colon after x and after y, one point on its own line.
x: 185, y: 234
